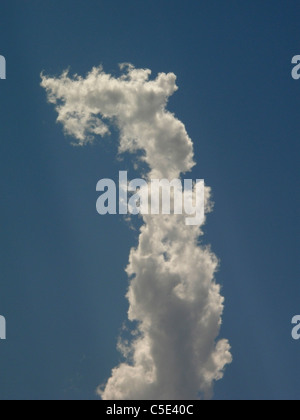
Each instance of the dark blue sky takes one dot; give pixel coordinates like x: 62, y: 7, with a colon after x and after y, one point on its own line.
x: 62, y: 280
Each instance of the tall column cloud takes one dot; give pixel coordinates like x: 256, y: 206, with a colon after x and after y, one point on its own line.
x: 173, y: 296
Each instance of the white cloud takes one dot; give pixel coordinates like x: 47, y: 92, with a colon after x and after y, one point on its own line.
x: 172, y: 294
x: 86, y: 106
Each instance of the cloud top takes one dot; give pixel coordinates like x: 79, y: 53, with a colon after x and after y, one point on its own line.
x: 87, y: 106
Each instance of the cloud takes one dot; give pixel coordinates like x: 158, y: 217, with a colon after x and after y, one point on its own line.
x: 173, y: 296
x: 86, y: 107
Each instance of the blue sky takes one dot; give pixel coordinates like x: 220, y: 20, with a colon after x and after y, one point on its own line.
x: 62, y: 282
